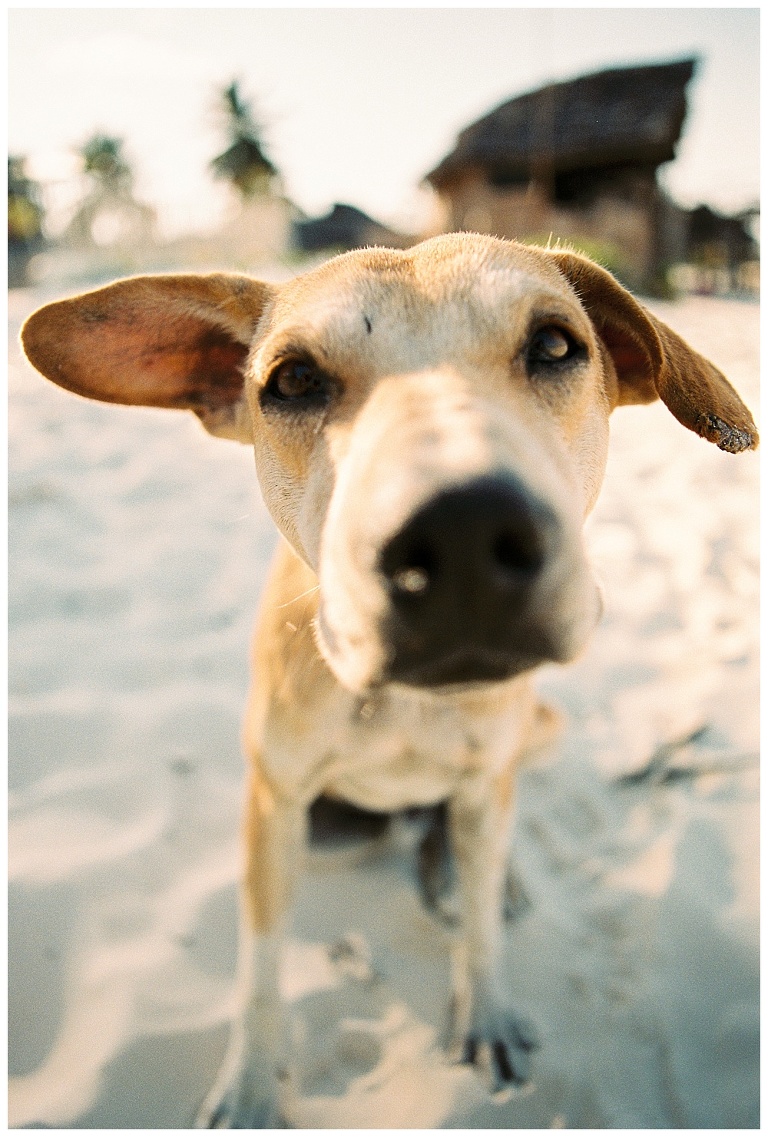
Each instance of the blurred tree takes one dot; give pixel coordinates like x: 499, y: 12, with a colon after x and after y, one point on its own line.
x: 25, y: 222
x: 103, y: 160
x: 109, y: 214
x: 243, y: 164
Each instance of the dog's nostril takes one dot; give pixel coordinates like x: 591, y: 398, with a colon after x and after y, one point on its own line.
x: 516, y: 552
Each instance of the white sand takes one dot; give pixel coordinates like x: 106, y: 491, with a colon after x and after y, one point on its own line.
x: 138, y: 548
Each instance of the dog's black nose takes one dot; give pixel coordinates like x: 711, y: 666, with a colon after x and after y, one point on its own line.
x: 460, y: 574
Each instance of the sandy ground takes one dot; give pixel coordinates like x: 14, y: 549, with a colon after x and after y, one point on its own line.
x: 138, y: 548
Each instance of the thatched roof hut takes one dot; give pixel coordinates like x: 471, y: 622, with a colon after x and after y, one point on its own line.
x: 345, y: 227
x: 578, y: 161
x: 623, y: 115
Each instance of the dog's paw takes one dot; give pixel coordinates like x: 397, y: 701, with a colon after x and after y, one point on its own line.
x: 237, y: 1101
x: 501, y: 1049
x: 232, y: 1111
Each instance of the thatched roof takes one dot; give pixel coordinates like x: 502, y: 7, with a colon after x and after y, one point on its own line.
x: 243, y: 153
x: 624, y: 115
x: 345, y: 227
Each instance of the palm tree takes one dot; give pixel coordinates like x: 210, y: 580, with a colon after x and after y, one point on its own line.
x: 25, y: 222
x: 244, y: 163
x: 108, y: 213
x: 103, y: 160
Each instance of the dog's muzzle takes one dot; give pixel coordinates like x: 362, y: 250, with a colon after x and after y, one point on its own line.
x: 464, y: 580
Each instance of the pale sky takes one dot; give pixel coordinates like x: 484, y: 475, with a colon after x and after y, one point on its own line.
x: 358, y: 103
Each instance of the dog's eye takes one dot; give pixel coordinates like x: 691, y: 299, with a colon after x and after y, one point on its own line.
x: 551, y: 345
x: 296, y: 380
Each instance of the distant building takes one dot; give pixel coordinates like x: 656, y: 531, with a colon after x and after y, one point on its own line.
x: 578, y: 161
x: 344, y: 228
x: 721, y: 251
x: 256, y: 234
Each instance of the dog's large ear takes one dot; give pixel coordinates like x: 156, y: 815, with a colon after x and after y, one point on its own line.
x: 159, y: 341
x: 652, y: 362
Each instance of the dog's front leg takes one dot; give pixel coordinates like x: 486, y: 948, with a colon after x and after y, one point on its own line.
x: 485, y: 1032
x: 245, y: 1094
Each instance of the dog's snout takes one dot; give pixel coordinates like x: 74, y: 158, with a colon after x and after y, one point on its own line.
x: 459, y: 574
x: 490, y: 535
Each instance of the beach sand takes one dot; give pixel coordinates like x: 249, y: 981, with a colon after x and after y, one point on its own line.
x: 138, y: 547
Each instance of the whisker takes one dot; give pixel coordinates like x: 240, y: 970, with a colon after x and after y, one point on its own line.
x: 301, y: 595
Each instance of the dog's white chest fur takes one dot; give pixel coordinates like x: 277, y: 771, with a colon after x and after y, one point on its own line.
x: 392, y: 750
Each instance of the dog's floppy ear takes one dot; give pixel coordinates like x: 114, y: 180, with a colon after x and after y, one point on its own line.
x: 158, y: 341
x: 652, y: 362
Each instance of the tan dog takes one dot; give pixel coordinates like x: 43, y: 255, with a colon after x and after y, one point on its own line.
x: 430, y: 430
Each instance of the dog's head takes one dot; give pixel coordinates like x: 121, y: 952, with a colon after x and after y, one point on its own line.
x: 430, y: 430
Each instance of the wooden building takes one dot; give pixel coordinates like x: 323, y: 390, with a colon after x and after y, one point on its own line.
x: 578, y: 161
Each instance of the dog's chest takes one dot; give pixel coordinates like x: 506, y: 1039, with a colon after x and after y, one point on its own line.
x: 391, y: 751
